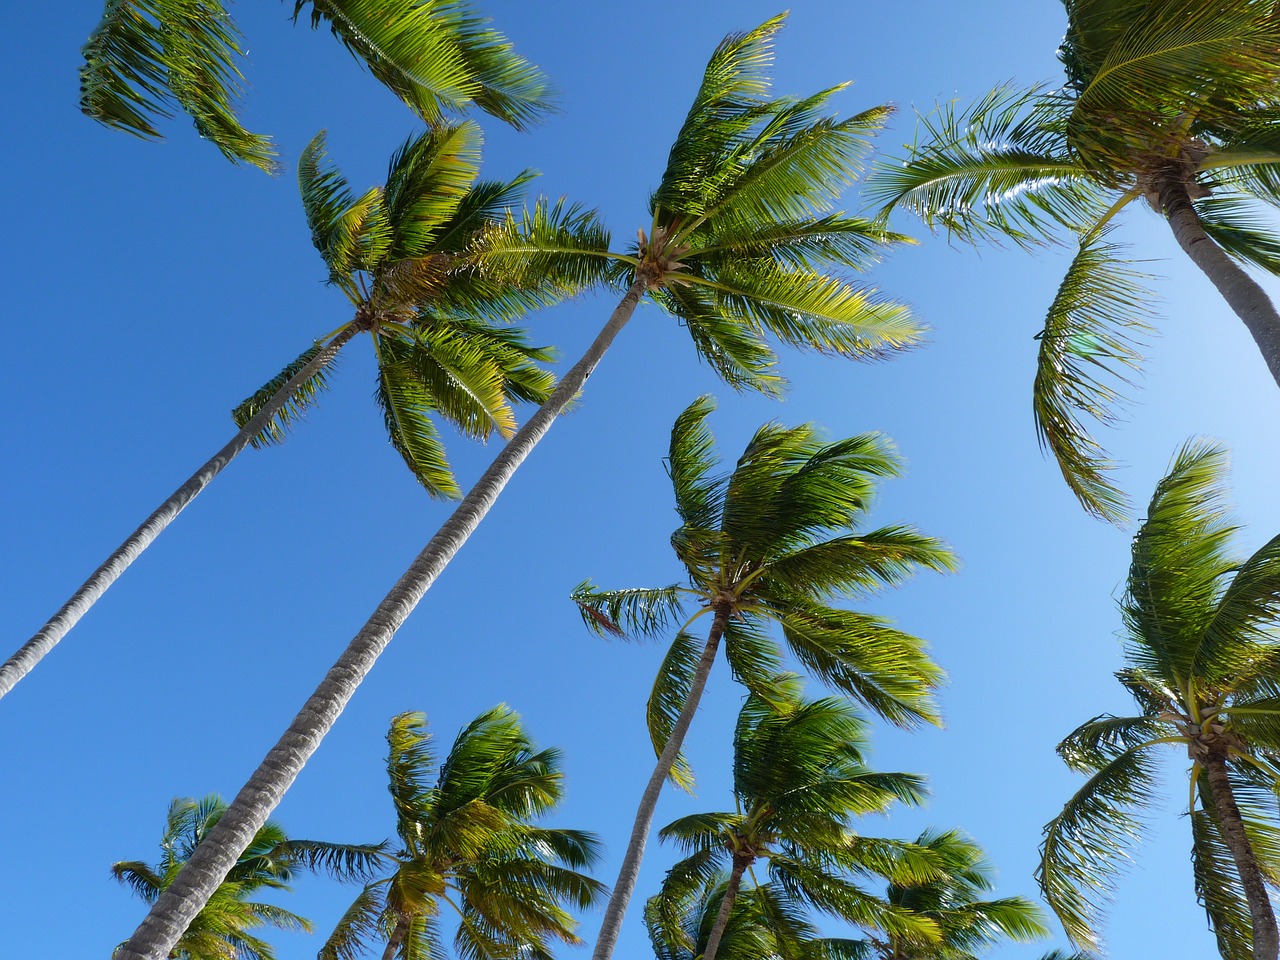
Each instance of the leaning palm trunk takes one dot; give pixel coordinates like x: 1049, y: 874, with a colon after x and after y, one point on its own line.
x: 199, y: 878
x: 1241, y: 292
x: 740, y: 864
x: 616, y: 909
x: 1266, y: 938
x: 35, y: 649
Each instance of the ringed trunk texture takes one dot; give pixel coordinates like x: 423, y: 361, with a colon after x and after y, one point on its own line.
x: 217, y: 853
x: 69, y: 614
x: 1266, y: 939
x: 740, y: 865
x: 1241, y: 292
x: 616, y: 909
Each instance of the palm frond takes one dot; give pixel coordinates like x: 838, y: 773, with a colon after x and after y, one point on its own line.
x: 295, y: 407
x: 860, y: 564
x: 427, y: 178
x: 1234, y: 224
x: 646, y: 612
x: 690, y: 459
x: 146, y: 58
x: 556, y: 246
x: 1087, y: 349
x: 668, y: 697
x: 407, y: 405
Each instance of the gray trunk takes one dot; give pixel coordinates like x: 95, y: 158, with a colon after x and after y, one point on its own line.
x: 199, y: 878
x: 611, y: 924
x: 1266, y: 939
x: 35, y: 649
x: 740, y: 865
x: 1241, y: 292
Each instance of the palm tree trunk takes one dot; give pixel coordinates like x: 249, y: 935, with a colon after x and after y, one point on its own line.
x: 1242, y: 293
x: 216, y: 854
x: 69, y: 614
x: 1266, y: 939
x: 616, y: 909
x: 740, y: 865
x: 396, y: 938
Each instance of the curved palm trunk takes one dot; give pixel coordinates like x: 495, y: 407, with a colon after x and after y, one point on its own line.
x: 69, y: 614
x: 1266, y: 938
x: 740, y: 865
x: 394, y: 941
x: 216, y: 854
x: 1242, y: 293
x: 616, y: 909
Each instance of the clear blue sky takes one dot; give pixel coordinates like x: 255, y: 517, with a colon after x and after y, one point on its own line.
x: 151, y: 286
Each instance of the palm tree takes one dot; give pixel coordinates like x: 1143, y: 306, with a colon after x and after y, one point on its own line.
x: 145, y: 59
x: 222, y: 930
x: 775, y: 542
x: 1172, y: 103
x: 799, y: 783
x: 467, y: 841
x: 741, y: 244
x: 440, y: 332
x: 1203, y: 666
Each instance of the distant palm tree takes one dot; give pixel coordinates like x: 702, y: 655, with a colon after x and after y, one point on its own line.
x: 144, y: 59
x: 440, y: 332
x: 772, y: 544
x: 1174, y: 103
x: 1203, y: 666
x: 800, y: 783
x: 222, y: 930
x: 468, y: 841
x: 743, y: 245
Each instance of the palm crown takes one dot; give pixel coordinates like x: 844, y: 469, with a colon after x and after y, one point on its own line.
x: 439, y: 327
x: 467, y: 839
x: 1171, y: 102
x: 145, y: 59
x: 224, y: 927
x: 1203, y: 666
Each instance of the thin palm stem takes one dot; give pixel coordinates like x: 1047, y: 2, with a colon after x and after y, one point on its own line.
x: 47, y: 637
x: 201, y: 875
x: 740, y: 865
x: 1266, y: 938
x: 1241, y: 292
x: 616, y: 909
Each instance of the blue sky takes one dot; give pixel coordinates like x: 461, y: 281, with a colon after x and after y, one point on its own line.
x: 152, y: 286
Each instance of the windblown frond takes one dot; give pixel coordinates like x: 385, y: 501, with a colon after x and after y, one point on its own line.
x: 295, y: 407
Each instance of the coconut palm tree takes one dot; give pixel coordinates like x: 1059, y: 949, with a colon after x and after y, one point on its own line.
x: 742, y: 245
x: 1173, y: 103
x: 440, y: 331
x: 774, y: 543
x: 800, y: 782
x: 146, y: 59
x: 1203, y: 666
x: 222, y: 930
x: 467, y: 840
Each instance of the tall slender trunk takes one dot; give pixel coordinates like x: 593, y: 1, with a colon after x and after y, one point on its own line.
x: 740, y: 864
x: 69, y: 614
x: 1243, y: 294
x: 616, y: 909
x: 396, y: 938
x: 1266, y: 938
x: 217, y: 853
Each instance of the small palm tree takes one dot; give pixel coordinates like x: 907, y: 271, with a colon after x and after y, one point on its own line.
x: 143, y: 60
x: 800, y: 782
x: 773, y: 543
x: 222, y: 930
x: 1203, y: 666
x: 440, y: 332
x: 743, y: 244
x: 467, y: 840
x: 1172, y: 103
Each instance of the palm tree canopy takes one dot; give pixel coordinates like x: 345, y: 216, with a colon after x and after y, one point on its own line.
x: 467, y: 838
x: 1185, y: 92
x: 144, y: 60
x: 1203, y: 667
x: 440, y: 327
x: 780, y: 540
x: 223, y: 928
x: 744, y: 231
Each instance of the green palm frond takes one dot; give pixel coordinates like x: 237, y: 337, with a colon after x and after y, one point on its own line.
x: 1088, y: 348
x: 145, y: 59
x: 860, y: 564
x: 638, y: 612
x: 806, y: 243
x: 427, y: 179
x: 668, y: 697
x: 1242, y: 630
x: 438, y: 56
x: 358, y: 927
x: 1089, y: 841
x: 140, y: 878
x: 998, y: 169
x: 1236, y: 225
x: 406, y: 406
x: 296, y: 406
x: 1097, y: 742
x: 756, y: 660
x: 690, y: 460
x: 561, y: 246
x: 326, y: 195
